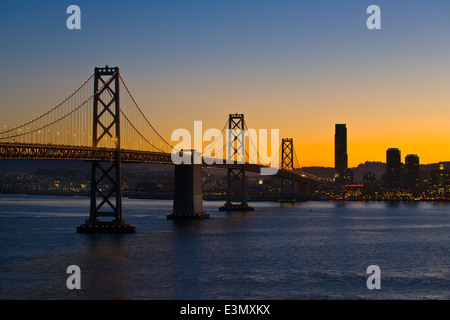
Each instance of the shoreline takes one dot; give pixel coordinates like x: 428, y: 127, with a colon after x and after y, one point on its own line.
x: 216, y: 198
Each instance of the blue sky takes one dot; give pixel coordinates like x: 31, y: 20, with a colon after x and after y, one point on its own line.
x: 181, y: 36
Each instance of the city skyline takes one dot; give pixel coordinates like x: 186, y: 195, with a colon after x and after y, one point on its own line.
x: 300, y: 67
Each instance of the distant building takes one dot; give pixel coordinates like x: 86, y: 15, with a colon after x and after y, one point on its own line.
x: 393, y: 169
x: 347, y: 176
x: 411, y: 174
x: 353, y: 191
x: 440, y: 183
x: 370, y: 184
x: 342, y: 174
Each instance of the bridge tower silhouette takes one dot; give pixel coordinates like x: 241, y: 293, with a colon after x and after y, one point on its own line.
x: 287, y: 163
x: 106, y: 177
x: 236, y: 181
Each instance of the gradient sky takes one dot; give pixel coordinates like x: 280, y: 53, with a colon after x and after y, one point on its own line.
x: 298, y: 66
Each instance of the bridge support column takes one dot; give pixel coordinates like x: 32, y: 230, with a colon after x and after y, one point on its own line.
x: 236, y: 182
x: 306, y: 188
x: 287, y: 163
x: 106, y: 182
x: 188, y: 201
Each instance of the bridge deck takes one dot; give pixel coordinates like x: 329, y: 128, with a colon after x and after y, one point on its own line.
x: 62, y: 152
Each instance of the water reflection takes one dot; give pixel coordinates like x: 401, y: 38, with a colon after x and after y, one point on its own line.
x: 310, y: 250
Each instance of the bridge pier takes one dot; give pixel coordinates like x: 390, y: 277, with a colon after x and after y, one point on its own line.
x: 305, y: 188
x: 188, y: 200
x: 97, y: 226
x: 236, y: 191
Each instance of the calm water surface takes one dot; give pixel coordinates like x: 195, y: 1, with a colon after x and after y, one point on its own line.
x: 310, y: 250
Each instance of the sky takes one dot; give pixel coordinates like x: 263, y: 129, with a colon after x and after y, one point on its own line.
x: 293, y: 65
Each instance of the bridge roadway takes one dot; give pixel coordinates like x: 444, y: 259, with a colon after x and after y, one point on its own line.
x: 62, y: 152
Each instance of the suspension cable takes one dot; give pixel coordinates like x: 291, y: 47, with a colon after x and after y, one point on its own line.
x: 43, y: 126
x: 54, y: 108
x: 145, y: 118
x: 215, y: 140
x: 256, y: 149
x: 53, y: 122
x: 126, y: 118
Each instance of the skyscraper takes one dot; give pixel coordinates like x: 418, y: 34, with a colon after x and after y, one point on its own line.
x: 411, y: 177
x: 393, y: 169
x: 340, y: 153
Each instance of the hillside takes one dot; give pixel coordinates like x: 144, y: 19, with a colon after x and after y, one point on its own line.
x: 379, y: 168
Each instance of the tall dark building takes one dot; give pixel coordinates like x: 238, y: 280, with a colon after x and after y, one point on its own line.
x: 411, y: 176
x: 340, y: 154
x: 393, y: 169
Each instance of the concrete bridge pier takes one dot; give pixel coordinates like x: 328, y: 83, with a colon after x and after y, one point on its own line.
x: 188, y: 201
x: 305, y: 188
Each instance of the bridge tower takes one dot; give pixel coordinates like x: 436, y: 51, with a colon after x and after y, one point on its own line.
x: 287, y: 163
x: 236, y: 181
x: 106, y: 178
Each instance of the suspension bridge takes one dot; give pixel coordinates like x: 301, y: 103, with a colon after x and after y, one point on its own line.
x: 102, y: 123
